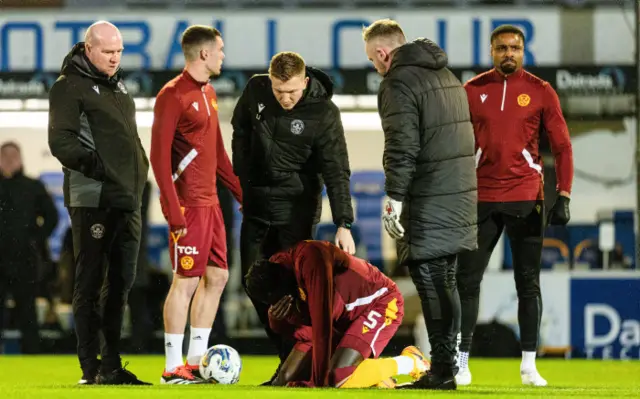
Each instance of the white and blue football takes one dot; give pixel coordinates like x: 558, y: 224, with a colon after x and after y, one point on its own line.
x: 221, y: 364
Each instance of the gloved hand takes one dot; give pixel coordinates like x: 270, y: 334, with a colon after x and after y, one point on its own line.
x: 560, y: 215
x: 391, y: 218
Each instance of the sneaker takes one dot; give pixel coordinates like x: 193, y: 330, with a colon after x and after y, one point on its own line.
x: 195, y: 370
x: 89, y: 373
x: 532, y: 378
x: 120, y: 376
x: 180, y: 376
x: 389, y: 383
x: 87, y: 381
x: 463, y: 378
x: 432, y: 381
x: 420, y: 363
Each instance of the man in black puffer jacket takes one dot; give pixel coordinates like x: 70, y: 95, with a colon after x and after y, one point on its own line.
x: 430, y: 179
x: 288, y: 142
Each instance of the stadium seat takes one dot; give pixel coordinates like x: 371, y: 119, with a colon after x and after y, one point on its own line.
x: 53, y: 182
x: 555, y: 254
x: 367, y: 189
x: 586, y: 255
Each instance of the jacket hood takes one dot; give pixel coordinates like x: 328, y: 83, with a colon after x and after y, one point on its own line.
x: 320, y: 86
x: 76, y: 62
x: 422, y: 53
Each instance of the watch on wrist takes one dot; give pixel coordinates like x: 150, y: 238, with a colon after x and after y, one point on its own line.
x: 345, y: 225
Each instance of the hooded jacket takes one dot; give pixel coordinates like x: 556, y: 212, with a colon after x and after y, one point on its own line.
x: 28, y: 217
x: 429, y: 152
x: 93, y: 133
x: 283, y: 158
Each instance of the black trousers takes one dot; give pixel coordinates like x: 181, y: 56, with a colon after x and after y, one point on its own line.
x: 435, y: 281
x: 105, y: 243
x: 259, y: 241
x: 19, y: 278
x: 524, y: 223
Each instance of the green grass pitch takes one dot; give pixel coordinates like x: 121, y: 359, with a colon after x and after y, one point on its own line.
x: 51, y: 377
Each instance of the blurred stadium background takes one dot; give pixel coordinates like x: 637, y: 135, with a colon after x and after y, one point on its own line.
x: 584, y: 48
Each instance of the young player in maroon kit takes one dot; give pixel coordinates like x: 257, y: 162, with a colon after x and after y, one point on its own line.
x: 187, y: 153
x: 344, y: 312
x: 509, y: 107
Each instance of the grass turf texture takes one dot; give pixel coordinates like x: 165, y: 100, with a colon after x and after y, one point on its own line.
x: 55, y: 377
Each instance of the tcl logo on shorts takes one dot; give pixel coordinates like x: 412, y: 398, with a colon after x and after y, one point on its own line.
x: 187, y: 250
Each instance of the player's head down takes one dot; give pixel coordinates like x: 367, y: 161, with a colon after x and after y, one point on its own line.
x: 381, y: 38
x: 268, y: 282
x: 103, y: 47
x: 203, y: 45
x: 288, y: 75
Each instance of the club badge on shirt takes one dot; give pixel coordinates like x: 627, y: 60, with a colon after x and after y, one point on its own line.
x: 524, y: 100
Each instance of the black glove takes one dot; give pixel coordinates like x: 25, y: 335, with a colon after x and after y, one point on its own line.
x: 560, y: 215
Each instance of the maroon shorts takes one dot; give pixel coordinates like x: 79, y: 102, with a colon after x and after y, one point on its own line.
x: 369, y: 333
x: 205, y: 243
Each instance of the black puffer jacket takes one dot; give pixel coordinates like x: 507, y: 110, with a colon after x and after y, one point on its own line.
x: 94, y: 135
x: 283, y: 157
x: 429, y: 152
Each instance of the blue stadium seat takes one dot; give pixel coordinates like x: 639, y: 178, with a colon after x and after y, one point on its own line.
x: 586, y: 252
x: 367, y: 189
x: 554, y: 252
x: 53, y: 182
x: 157, y: 243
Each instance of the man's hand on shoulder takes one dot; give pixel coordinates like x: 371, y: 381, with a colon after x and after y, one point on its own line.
x: 344, y: 240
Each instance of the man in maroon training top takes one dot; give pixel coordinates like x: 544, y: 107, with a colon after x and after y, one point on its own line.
x: 509, y: 107
x: 340, y: 310
x: 187, y: 153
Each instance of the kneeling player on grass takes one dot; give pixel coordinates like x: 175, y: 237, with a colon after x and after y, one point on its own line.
x: 345, y: 312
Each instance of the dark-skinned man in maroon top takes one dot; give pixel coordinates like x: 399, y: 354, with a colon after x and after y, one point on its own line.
x: 509, y: 107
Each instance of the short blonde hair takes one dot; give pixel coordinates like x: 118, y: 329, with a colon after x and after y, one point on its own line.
x: 384, y: 28
x: 286, y: 65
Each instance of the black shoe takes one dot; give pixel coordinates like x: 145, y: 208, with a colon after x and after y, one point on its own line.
x: 85, y: 380
x: 120, y: 376
x: 273, y: 378
x: 89, y: 374
x: 432, y: 381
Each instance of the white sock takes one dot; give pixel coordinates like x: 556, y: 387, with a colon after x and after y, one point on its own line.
x: 405, y: 364
x: 463, y: 358
x: 173, y: 351
x: 528, y: 361
x: 198, y: 344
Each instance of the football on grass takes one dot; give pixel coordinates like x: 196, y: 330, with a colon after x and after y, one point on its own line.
x: 221, y: 364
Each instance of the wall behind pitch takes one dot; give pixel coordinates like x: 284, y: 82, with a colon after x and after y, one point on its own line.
x: 40, y: 40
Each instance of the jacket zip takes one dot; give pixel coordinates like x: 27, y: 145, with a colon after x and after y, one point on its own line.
x: 133, y: 142
x: 206, y: 104
x: 504, y: 94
